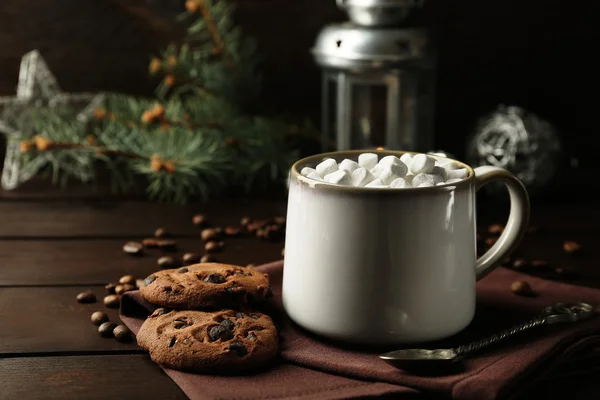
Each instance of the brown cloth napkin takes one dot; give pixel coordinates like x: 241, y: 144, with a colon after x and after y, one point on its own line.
x: 546, y: 359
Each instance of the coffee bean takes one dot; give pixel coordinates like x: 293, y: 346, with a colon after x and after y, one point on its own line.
x: 238, y: 348
x: 122, y: 333
x: 495, y: 229
x: 133, y: 248
x: 228, y: 324
x: 112, y: 301
x: 198, y: 220
x: 219, y: 332
x: 571, y: 247
x: 98, y: 318
x: 120, y: 289
x: 251, y: 266
x: 167, y: 262
x: 149, y: 280
x: 127, y: 280
x: 110, y: 288
x: 208, y: 258
x: 232, y: 231
x: 86, y: 297
x: 161, y: 233
x: 212, y: 247
x: 209, y: 234
x: 245, y: 221
x: 150, y: 243
x: 191, y: 258
x: 106, y: 329
x: 139, y: 283
x: 283, y: 252
x: 490, y: 241
x: 520, y: 263
x: 167, y: 245
x: 521, y: 288
x: 182, y: 270
x: 539, y: 263
x: 214, y: 278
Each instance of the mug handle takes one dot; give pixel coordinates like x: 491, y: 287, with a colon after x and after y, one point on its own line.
x: 518, y: 218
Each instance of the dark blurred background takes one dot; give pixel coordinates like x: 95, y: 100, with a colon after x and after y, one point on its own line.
x: 539, y: 54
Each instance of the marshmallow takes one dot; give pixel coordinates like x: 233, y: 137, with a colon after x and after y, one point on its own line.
x: 392, y: 171
x: 314, y: 175
x: 339, y: 177
x: 426, y: 184
x: 460, y: 173
x: 307, y: 170
x: 453, y: 180
x: 400, y: 183
x: 367, y: 160
x: 349, y: 165
x: 406, y: 158
x: 447, y: 164
x: 419, y: 179
x: 377, y: 183
x: 439, y: 171
x: 326, y: 167
x: 399, y: 168
x: 421, y: 163
x: 408, y: 178
x: 387, y: 160
x: 361, y: 177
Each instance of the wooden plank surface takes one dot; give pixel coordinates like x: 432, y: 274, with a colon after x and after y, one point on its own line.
x: 50, y: 320
x: 121, y: 219
x: 85, y: 377
x: 96, y: 262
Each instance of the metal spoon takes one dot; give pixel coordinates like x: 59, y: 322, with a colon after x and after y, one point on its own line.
x: 408, y: 359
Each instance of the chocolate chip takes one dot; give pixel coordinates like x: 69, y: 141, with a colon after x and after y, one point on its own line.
x: 110, y: 288
x: 127, y: 280
x: 172, y: 342
x: 191, y: 258
x: 167, y: 262
x: 133, y: 248
x: 239, y: 272
x: 239, y: 315
x: 159, y: 311
x: 122, y: 333
x: 182, y: 270
x: 495, y: 229
x: 86, y: 297
x: 571, y: 247
x: 149, y: 280
x: 250, y: 336
x: 161, y: 233
x: 212, y: 247
x: 209, y: 234
x: 112, y: 301
x: 228, y: 324
x: 214, y: 278
x: 219, y: 332
x: 98, y: 318
x: 167, y: 245
x: 198, y: 220
x: 208, y: 258
x: 521, y: 288
x: 232, y: 231
x: 520, y: 263
x: 179, y: 324
x: 245, y: 221
x: 239, y: 348
x: 106, y: 329
x: 254, y: 315
x: 120, y: 289
x: 150, y: 243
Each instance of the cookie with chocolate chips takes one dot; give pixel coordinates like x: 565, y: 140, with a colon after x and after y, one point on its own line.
x: 206, y: 286
x: 220, y: 342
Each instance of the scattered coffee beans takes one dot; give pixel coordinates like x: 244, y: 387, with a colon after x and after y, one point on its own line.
x: 106, y: 329
x: 98, y: 318
x: 122, y: 333
x: 571, y: 247
x: 167, y: 245
x: 86, y: 297
x: 208, y: 258
x: 110, y: 288
x: 212, y: 247
x: 232, y: 231
x: 244, y: 222
x: 490, y: 241
x: 112, y: 301
x: 127, y: 280
x: 133, y: 248
x: 191, y: 258
x: 495, y: 229
x: 209, y: 234
x: 150, y: 243
x: 120, y: 289
x: 167, y: 262
x: 198, y: 220
x: 161, y: 233
x: 521, y: 288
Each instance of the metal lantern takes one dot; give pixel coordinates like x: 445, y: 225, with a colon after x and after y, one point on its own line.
x: 378, y: 78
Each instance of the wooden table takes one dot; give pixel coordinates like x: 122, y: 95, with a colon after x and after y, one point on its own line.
x: 54, y: 245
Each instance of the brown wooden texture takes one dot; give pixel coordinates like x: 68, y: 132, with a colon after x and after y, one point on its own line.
x: 50, y: 320
x: 85, y: 377
x: 97, y: 262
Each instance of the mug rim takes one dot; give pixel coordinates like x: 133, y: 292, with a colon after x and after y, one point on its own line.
x: 316, y: 158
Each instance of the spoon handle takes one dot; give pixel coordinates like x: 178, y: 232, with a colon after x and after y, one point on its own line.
x: 474, y: 346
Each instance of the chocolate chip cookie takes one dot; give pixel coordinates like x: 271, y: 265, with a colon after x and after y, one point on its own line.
x: 220, y: 342
x: 206, y: 286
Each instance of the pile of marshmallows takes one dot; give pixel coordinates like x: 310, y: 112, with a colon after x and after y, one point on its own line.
x: 408, y: 171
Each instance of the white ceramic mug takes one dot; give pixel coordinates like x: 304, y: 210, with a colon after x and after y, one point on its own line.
x: 389, y: 266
